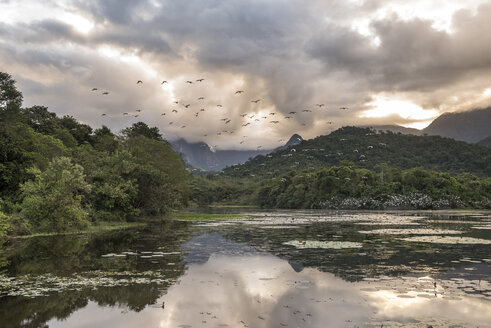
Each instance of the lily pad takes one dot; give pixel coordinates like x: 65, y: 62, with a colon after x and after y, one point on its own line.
x: 323, y: 244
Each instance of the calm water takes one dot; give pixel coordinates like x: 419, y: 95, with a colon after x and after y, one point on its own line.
x: 270, y: 269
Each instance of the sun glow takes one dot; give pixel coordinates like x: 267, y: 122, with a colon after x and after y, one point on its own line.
x: 383, y: 106
x: 79, y: 23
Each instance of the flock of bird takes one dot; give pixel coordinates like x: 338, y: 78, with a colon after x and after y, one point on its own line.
x: 246, y: 118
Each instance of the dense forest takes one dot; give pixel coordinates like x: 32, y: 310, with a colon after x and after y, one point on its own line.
x: 370, y: 149
x: 348, y: 187
x: 57, y: 174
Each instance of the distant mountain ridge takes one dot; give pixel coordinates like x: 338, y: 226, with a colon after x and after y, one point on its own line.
x: 470, y: 126
x: 200, y: 155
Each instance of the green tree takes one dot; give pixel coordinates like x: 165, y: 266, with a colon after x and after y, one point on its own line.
x: 9, y: 95
x: 53, y: 200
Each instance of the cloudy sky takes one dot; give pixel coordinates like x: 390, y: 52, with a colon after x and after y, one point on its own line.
x: 386, y: 61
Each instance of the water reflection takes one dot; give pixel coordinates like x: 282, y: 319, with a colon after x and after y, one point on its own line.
x: 277, y: 269
x: 264, y: 291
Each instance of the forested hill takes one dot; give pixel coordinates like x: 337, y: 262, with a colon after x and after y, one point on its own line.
x: 57, y: 174
x: 373, y: 150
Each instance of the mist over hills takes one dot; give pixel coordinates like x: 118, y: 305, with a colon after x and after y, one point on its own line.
x: 199, y: 154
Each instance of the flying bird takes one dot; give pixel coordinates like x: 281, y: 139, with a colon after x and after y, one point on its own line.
x: 246, y: 124
x: 201, y: 98
x: 94, y: 89
x: 125, y: 113
x: 274, y: 122
x: 219, y: 105
x: 202, y: 110
x: 139, y: 82
x: 239, y: 91
x: 292, y: 112
x: 190, y: 82
x: 103, y: 115
x: 343, y: 108
x: 174, y: 111
x: 105, y: 93
x: 162, y: 114
x: 200, y: 80
x: 138, y: 110
x: 320, y: 105
x: 256, y: 101
x: 306, y: 111
x: 163, y: 82
x: 176, y: 102
x: 243, y: 114
x: 187, y: 106
x: 287, y: 117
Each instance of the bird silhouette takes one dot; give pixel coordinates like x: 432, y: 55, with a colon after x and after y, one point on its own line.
x: 190, y: 82
x: 162, y: 114
x: 125, y: 113
x: 105, y: 93
x: 139, y: 82
x: 163, y: 82
x: 306, y: 111
x: 200, y: 80
x: 201, y: 98
x: 176, y: 102
x: 239, y: 91
x: 246, y: 124
x: 94, y: 89
x: 292, y: 112
x: 243, y: 115
x: 219, y: 105
x: 202, y: 110
x: 174, y: 111
x: 274, y: 122
x: 103, y: 115
x: 256, y: 101
x: 138, y: 110
x: 227, y: 121
x: 320, y: 105
x: 343, y: 107
x: 187, y: 106
x: 287, y: 117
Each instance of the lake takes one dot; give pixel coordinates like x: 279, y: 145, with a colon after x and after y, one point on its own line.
x: 267, y: 269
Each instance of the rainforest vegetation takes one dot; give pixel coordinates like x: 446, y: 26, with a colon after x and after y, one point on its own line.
x: 57, y: 174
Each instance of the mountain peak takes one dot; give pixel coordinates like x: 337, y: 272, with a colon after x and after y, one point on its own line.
x: 294, y: 140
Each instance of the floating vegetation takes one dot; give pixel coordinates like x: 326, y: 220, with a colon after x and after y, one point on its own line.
x: 323, y: 244
x: 412, y: 232
x: 448, y: 240
x: 43, y: 285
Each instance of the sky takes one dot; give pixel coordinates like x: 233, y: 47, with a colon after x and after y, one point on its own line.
x: 305, y: 67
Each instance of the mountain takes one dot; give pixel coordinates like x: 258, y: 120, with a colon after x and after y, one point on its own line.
x: 370, y: 149
x: 486, y: 142
x: 470, y: 126
x: 200, y: 155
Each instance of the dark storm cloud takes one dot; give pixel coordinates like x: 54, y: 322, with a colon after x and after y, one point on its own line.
x: 291, y: 54
x: 412, y: 55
